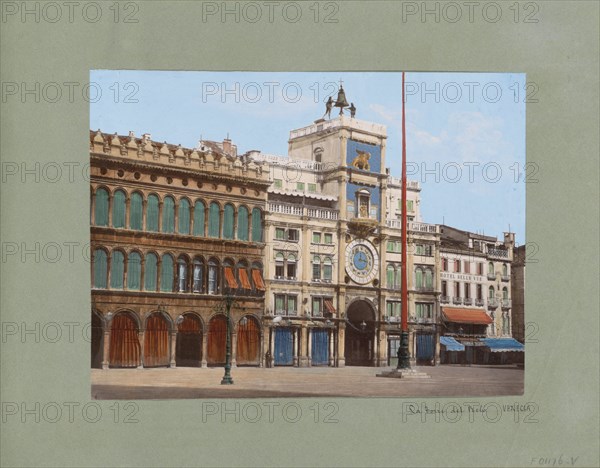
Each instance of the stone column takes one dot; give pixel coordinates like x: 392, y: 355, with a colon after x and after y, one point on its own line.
x: 160, y: 220
x: 221, y: 218
x: 309, y: 346
x: 141, y: 340
x: 127, y: 212
x: 203, y: 362
x: 341, y: 359
x: 233, y: 348
x: 191, y: 219
x: 376, y: 347
x: 144, y: 207
x: 176, y: 216
x: 93, y: 209
x: 331, y: 348
x: 383, y: 348
x: 303, y: 339
x: 295, y: 333
x: 261, y: 358
x: 173, y: 336
x: 110, y: 211
x: 106, y: 348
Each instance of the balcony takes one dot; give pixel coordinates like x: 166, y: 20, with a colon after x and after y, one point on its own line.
x: 413, y: 226
x: 506, y: 303
x: 491, y: 276
x: 492, y: 303
x: 445, y: 299
x: 301, y: 210
x: 339, y: 122
x: 468, y: 301
x: 410, y: 184
x: 457, y: 300
x: 479, y: 302
x: 498, y: 253
x: 505, y: 278
x: 424, y: 289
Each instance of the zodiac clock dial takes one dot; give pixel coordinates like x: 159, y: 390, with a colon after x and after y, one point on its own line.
x: 362, y: 261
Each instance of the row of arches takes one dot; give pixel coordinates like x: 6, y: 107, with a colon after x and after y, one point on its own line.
x: 168, y: 214
x: 137, y: 271
x: 124, y: 343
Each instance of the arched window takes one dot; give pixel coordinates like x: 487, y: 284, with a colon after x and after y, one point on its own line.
x: 152, y: 213
x: 150, y: 272
x: 100, y: 269
x: 490, y: 268
x: 166, y: 273
x: 168, y: 215
x: 183, y: 217
x: 279, y: 265
x: 491, y: 293
x: 229, y: 281
x: 135, y: 211
x: 504, y: 269
x: 242, y: 276
x: 118, y: 208
x: 213, y: 220
x: 199, y: 218
x: 228, y: 221
x: 257, y: 226
x: 429, y: 279
x: 213, y: 276
x: 316, y: 268
x: 291, y: 266
x: 327, y: 269
x: 257, y: 277
x: 390, y: 276
x: 182, y: 274
x: 419, y: 278
x: 197, y: 287
x: 242, y: 227
x: 505, y: 293
x: 117, y: 269
x: 134, y: 271
x: 101, y: 208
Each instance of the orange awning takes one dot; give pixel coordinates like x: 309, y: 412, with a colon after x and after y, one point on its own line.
x: 244, y: 278
x: 473, y: 316
x: 231, y: 282
x: 258, y: 281
x: 329, y: 306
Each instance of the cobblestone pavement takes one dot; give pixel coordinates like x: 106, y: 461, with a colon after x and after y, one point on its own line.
x: 444, y: 381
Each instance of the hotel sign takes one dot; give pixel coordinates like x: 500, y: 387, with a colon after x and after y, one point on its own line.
x: 461, y: 277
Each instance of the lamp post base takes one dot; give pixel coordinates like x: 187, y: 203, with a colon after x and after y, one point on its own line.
x: 403, y: 353
x: 227, y: 380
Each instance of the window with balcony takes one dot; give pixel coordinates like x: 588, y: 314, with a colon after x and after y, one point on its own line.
x: 316, y: 263
x: 327, y: 269
x: 285, y: 304
x: 182, y: 276
x: 490, y: 271
x: 291, y: 266
x: 213, y: 276
x: 134, y: 271
x: 198, y: 276
x: 491, y: 293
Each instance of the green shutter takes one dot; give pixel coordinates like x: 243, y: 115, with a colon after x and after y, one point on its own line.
x: 150, y: 268
x: 428, y: 279
x: 419, y: 278
x: 134, y: 271
x: 278, y: 304
x: 184, y: 217
x: 228, y: 222
x: 118, y: 218
x: 257, y: 225
x: 168, y: 218
x: 199, y: 219
x: 152, y: 214
x: 100, y: 269
x: 166, y: 273
x: 135, y: 212
x: 390, y: 276
x: 101, y: 208
x: 242, y: 228
x: 213, y: 220
x: 117, y: 269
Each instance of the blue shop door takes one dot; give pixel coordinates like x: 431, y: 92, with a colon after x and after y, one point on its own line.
x: 320, y: 348
x: 284, y: 347
x: 425, y: 348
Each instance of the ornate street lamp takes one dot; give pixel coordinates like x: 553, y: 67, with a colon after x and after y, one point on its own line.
x: 227, y: 304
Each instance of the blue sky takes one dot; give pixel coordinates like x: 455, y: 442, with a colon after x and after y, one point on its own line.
x: 465, y: 131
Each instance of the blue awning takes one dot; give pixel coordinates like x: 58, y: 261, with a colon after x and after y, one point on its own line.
x: 451, y: 344
x: 498, y: 345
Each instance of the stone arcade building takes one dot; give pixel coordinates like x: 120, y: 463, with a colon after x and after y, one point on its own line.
x: 173, y: 230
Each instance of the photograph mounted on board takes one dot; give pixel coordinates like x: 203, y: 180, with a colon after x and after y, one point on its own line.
x: 307, y: 234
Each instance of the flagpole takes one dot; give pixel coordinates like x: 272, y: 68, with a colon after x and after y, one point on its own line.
x: 403, y: 352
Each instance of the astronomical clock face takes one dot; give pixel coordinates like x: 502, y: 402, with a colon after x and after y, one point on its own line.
x: 362, y: 261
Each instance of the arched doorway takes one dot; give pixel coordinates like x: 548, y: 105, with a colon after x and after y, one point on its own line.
x: 188, y: 352
x: 217, y: 338
x: 248, y: 342
x: 97, y: 341
x: 124, y: 342
x: 359, y: 341
x: 156, y: 341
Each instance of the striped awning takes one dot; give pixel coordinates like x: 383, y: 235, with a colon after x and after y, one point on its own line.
x: 329, y: 306
x: 258, y: 280
x: 230, y: 278
x: 244, y: 279
x: 499, y: 345
x: 451, y: 344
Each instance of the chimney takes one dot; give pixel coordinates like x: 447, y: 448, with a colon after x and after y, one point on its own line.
x: 227, y: 146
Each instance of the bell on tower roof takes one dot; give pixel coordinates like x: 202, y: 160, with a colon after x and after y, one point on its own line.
x: 341, y: 99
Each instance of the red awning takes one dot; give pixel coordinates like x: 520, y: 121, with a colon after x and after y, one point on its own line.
x: 329, y: 306
x: 244, y: 279
x: 231, y: 282
x: 473, y: 316
x: 258, y: 281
